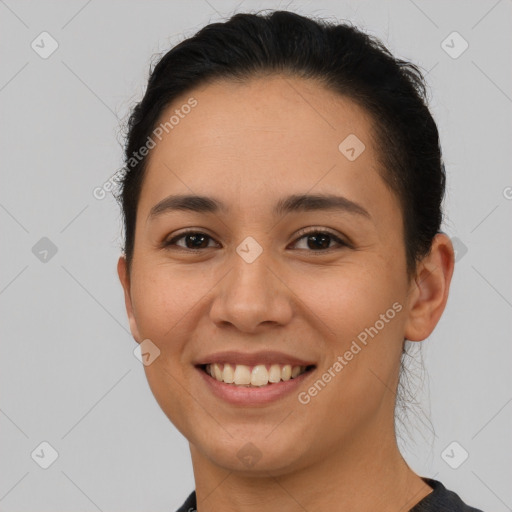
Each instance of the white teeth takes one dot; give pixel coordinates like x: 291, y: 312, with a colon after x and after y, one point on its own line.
x: 228, y: 375
x: 274, y: 375
x: 259, y: 375
x: 287, y: 372
x: 295, y: 371
x: 217, y: 372
x: 241, y: 374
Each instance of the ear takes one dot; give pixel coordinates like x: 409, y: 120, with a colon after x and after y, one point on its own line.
x: 122, y: 272
x: 429, y: 289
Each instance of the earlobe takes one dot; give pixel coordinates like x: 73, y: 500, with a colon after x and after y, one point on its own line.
x: 428, y: 293
x: 122, y: 272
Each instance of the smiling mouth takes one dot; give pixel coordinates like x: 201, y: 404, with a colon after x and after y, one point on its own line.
x: 255, y: 376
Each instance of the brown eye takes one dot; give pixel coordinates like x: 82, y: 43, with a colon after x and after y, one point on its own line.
x: 319, y: 241
x: 316, y: 241
x: 194, y: 240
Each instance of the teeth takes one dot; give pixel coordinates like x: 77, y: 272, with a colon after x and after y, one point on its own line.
x: 217, y: 373
x: 274, y: 375
x: 228, y: 375
x: 242, y: 374
x: 260, y: 375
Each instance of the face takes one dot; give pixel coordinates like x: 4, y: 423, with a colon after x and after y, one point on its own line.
x: 322, y: 285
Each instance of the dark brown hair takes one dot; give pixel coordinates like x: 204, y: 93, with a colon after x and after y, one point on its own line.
x: 341, y: 57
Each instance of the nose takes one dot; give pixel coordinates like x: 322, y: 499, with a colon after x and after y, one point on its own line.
x: 252, y: 296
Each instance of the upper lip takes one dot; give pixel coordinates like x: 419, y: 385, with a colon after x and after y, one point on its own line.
x: 263, y: 357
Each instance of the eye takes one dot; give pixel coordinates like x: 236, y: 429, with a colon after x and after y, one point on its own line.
x: 196, y: 238
x: 315, y: 239
x: 319, y: 241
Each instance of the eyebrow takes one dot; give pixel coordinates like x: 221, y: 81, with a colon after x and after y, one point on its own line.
x: 293, y: 203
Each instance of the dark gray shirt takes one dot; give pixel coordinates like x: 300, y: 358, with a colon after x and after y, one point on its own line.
x: 440, y: 500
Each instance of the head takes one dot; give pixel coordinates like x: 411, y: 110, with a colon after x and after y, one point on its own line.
x: 255, y: 114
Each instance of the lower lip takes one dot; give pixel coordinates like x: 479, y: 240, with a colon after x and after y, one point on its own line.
x: 240, y: 395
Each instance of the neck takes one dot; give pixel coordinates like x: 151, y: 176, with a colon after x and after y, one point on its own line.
x: 359, y: 476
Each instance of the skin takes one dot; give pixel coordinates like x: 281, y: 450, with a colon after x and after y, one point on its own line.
x: 249, y: 145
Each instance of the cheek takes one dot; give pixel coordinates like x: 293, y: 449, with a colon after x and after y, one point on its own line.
x: 350, y: 296
x: 164, y: 307
x: 162, y: 300
x: 362, y: 318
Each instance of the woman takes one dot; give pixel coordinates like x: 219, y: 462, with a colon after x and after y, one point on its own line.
x: 282, y: 209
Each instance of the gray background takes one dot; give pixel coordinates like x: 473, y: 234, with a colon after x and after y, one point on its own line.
x: 68, y: 374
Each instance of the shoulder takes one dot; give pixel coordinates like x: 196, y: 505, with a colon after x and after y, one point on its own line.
x: 441, y: 500
x: 190, y: 503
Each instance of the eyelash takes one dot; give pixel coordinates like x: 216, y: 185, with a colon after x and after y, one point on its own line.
x: 302, y: 234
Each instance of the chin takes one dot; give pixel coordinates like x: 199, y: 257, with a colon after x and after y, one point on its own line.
x: 256, y: 455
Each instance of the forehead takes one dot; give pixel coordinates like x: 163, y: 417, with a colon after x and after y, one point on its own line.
x: 260, y: 137
x: 266, y: 110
